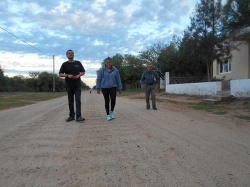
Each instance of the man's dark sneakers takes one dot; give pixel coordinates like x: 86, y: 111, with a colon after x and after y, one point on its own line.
x: 80, y: 119
x: 70, y: 119
x: 155, y: 108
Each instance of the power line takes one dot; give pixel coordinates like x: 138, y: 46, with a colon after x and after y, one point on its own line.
x: 58, y: 63
x: 24, y: 41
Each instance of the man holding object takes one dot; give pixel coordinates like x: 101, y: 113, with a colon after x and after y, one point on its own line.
x: 72, y: 70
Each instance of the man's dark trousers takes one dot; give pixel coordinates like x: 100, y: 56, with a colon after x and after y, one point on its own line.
x: 76, y: 90
x: 150, y: 89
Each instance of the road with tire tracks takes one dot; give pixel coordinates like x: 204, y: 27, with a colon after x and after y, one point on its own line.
x: 138, y: 148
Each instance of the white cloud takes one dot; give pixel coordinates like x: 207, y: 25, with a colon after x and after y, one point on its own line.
x: 62, y: 8
x: 99, y: 6
x: 97, y: 42
x: 94, y: 29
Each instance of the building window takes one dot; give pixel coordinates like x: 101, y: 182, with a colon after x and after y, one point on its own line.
x: 225, y: 66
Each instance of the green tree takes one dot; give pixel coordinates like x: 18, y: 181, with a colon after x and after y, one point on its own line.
x: 59, y: 83
x: 237, y: 16
x: 17, y: 83
x: 2, y: 80
x: 132, y: 68
x: 32, y: 83
x: 117, y: 61
x: 34, y: 74
x: 190, y: 57
x: 169, y: 58
x: 207, y: 31
x: 152, y: 54
x: 45, y: 81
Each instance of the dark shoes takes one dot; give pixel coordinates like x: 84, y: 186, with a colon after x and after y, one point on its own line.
x: 80, y: 119
x: 70, y: 119
x: 148, y: 107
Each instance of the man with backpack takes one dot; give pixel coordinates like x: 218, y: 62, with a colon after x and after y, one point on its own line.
x: 149, y: 79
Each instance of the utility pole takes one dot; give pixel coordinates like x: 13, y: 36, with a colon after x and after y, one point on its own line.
x: 54, y: 74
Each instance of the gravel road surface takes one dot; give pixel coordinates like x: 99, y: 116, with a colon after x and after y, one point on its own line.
x: 138, y: 148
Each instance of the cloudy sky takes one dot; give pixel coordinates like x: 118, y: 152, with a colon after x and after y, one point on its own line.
x: 94, y: 29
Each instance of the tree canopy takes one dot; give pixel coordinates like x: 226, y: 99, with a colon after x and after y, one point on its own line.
x: 237, y: 16
x: 36, y: 82
x: 205, y: 39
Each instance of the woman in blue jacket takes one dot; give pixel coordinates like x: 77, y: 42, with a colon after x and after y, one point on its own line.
x: 109, y: 81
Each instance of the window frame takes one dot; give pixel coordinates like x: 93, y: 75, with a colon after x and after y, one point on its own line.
x: 224, y: 64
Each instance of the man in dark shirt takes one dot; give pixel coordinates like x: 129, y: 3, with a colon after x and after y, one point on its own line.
x: 72, y: 70
x: 149, y: 79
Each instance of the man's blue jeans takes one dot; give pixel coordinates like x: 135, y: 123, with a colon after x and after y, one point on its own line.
x: 74, y: 91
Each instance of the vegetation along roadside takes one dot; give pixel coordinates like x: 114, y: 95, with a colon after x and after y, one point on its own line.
x: 18, y: 99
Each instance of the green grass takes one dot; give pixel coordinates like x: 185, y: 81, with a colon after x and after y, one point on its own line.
x: 172, y: 101
x: 203, y: 106
x: 216, y: 109
x: 160, y: 100
x: 243, y: 117
x: 220, y: 112
x: 138, y: 97
x: 18, y: 99
x: 130, y: 92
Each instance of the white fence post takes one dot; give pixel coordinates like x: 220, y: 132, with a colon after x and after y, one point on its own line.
x: 166, y: 80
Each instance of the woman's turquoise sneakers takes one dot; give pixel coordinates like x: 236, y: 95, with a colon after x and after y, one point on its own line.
x: 109, y: 117
x: 112, y: 115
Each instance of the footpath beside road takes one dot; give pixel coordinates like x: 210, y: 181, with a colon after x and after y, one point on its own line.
x: 139, y: 148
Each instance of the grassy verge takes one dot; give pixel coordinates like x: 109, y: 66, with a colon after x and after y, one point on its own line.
x: 18, y: 99
x: 130, y: 92
x: 203, y: 106
x: 238, y: 109
x: 245, y: 117
x: 219, y: 109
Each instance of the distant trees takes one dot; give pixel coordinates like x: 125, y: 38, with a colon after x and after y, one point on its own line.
x: 84, y: 85
x: 169, y: 59
x: 129, y: 66
x: 131, y: 69
x: 152, y: 53
x: 2, y: 78
x: 36, y: 82
x: 206, y: 39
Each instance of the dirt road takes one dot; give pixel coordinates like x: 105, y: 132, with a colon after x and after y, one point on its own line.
x: 138, y: 148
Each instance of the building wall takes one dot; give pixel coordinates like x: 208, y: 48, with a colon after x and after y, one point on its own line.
x: 204, y: 88
x: 240, y: 64
x: 240, y: 88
